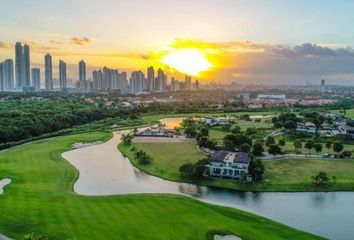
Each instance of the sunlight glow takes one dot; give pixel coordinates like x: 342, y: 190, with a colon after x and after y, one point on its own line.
x: 189, y: 61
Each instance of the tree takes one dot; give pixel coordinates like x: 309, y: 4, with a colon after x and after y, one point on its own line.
x: 338, y: 147
x: 236, y: 129
x: 282, y: 142
x: 258, y: 149
x: 143, y: 157
x: 328, y: 145
x: 127, y: 139
x: 204, y: 131
x: 211, y: 144
x: 187, y: 170
x: 318, y: 147
x: 309, y: 145
x: 297, y: 145
x: 274, y: 149
x: 320, y: 179
x: 245, y: 147
x: 226, y: 127
x: 202, y: 141
x: 347, y: 154
x: 269, y: 141
x: 229, y: 142
x: 256, y: 169
x: 32, y: 236
x: 190, y: 131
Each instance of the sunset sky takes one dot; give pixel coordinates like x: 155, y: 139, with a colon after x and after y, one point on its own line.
x: 263, y: 42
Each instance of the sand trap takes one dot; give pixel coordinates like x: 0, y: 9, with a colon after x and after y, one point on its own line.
x: 157, y: 139
x: 81, y: 145
x: 226, y: 237
x: 105, y: 171
x: 3, y: 183
x: 171, y: 123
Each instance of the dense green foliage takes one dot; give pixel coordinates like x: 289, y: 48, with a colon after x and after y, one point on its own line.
x: 28, y: 118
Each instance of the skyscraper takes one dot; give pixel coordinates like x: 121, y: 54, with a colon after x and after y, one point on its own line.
x: 48, y: 72
x: 27, y: 66
x: 8, y: 74
x: 188, y: 82
x: 1, y: 77
x: 97, y: 77
x: 36, y: 78
x: 23, y: 63
x: 160, y: 84
x: 136, y: 82
x: 19, y: 65
x: 150, y: 79
x: 62, y: 75
x: 82, y: 71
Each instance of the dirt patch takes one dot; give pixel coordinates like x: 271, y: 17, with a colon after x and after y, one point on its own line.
x: 226, y: 237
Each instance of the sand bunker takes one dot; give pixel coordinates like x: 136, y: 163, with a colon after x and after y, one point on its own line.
x: 226, y: 237
x: 3, y: 183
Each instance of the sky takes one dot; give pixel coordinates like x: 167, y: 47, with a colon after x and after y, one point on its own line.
x: 247, y: 41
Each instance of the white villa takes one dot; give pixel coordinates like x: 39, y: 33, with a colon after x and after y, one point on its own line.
x: 229, y: 164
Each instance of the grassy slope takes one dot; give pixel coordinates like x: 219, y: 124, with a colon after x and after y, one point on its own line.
x: 40, y: 200
x: 281, y: 175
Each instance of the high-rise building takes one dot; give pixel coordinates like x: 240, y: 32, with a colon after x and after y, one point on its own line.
x: 1, y: 77
x: 150, y: 79
x: 36, y: 78
x: 160, y: 81
x: 48, y: 68
x: 82, y: 71
x: 19, y: 65
x: 97, y: 77
x: 188, y: 82
x: 26, y: 66
x: 136, y: 82
x: 175, y: 85
x: 23, y: 64
x: 62, y: 75
x: 8, y: 75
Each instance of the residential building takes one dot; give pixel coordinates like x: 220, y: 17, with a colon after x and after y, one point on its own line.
x: 188, y: 82
x: 229, y: 164
x: 36, y: 78
x: 8, y: 74
x: 160, y: 81
x: 150, y: 79
x: 62, y: 75
x: 82, y: 71
x: 136, y: 82
x: 48, y: 72
x: 271, y: 96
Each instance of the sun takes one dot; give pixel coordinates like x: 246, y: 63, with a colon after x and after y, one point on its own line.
x: 188, y: 61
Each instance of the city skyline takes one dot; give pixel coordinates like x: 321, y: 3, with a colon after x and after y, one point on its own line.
x: 242, y: 41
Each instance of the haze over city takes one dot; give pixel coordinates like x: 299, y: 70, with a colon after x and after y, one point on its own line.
x: 259, y: 42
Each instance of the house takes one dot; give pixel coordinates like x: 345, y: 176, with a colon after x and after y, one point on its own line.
x: 306, y: 127
x: 229, y: 164
x: 347, y: 130
x: 154, y: 132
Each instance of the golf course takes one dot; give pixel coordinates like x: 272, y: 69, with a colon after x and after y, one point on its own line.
x: 40, y: 200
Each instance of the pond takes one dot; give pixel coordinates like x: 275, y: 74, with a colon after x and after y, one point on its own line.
x: 105, y: 171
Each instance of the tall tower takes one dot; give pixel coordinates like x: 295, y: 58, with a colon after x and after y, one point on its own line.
x: 62, y: 75
x: 2, y: 81
x: 150, y: 79
x: 19, y: 65
x: 8, y: 74
x: 161, y: 81
x: 48, y: 72
x: 188, y: 82
x: 82, y: 70
x: 36, y: 78
x: 26, y: 66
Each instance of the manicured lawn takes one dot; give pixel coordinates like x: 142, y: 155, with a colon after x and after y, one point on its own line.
x: 167, y: 157
x: 295, y: 174
x: 40, y: 200
x: 289, y: 147
x: 281, y: 175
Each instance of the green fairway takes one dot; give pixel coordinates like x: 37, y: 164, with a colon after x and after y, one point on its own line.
x: 40, y: 200
x: 281, y: 175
